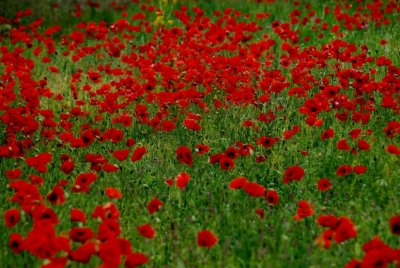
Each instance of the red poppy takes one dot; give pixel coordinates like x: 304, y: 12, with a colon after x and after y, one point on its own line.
x: 121, y: 155
x: 112, y: 192
x: 392, y: 149
x: 154, y: 205
x: 363, y: 145
x: 191, y: 124
x: 260, y: 212
x: 327, y: 134
x: 202, y: 149
x: 344, y: 230
x: 231, y: 152
x: 355, y: 133
x: 12, y: 217
x: 16, y: 243
x: 83, y: 181
x: 56, y: 196
x: 146, y: 230
x: 182, y: 180
x: 134, y: 260
x: 237, y: 183
x: 395, y: 225
x: 77, y: 215
x: 138, y: 154
x: 226, y: 163
x: 260, y: 158
x: 107, y: 167
x: 272, y: 197
x: 67, y: 166
x: 327, y: 221
x: 169, y: 182
x: 293, y: 173
x: 344, y: 170
x: 81, y: 234
x: 359, y: 169
x: 83, y: 253
x: 13, y: 174
x: 108, y: 229
x: 304, y: 210
x: 254, y: 189
x: 184, y: 155
x: 324, y: 184
x: 343, y: 145
x: 206, y: 238
x: 267, y: 142
x: 39, y: 161
x: 38, y: 180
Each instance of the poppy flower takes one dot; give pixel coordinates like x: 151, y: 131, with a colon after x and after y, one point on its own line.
x: 108, y: 229
x: 206, y: 238
x: 344, y: 170
x: 77, y: 215
x: 39, y: 161
x: 134, y: 260
x: 267, y: 142
x: 392, y: 149
x: 138, y: 153
x: 67, y: 167
x: 146, y: 230
x: 355, y: 133
x: 215, y: 158
x: 38, y: 180
x: 182, y: 180
x: 154, y: 205
x: 363, y: 145
x: 169, y: 181
x: 83, y: 253
x: 226, y: 163
x: 237, y: 183
x: 44, y: 213
x: 191, y: 124
x: 260, y: 212
x: 130, y: 142
x: 202, y: 149
x: 13, y: 174
x: 272, y: 197
x: 344, y: 230
x: 325, y: 239
x: 293, y: 173
x: 56, y: 196
x: 395, y: 225
x: 12, y: 217
x: 16, y: 243
x: 343, y: 145
x: 121, y: 155
x: 231, y: 152
x: 107, y: 167
x: 324, y: 184
x: 83, y: 181
x: 184, y: 155
x: 327, y: 221
x: 113, y: 193
x: 327, y: 134
x: 304, y: 210
x: 260, y: 158
x: 81, y: 234
x: 359, y: 169
x: 254, y: 189
x: 168, y: 126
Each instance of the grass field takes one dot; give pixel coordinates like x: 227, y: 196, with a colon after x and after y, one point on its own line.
x: 200, y: 133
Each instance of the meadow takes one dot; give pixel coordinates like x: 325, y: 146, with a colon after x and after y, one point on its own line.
x: 253, y: 133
